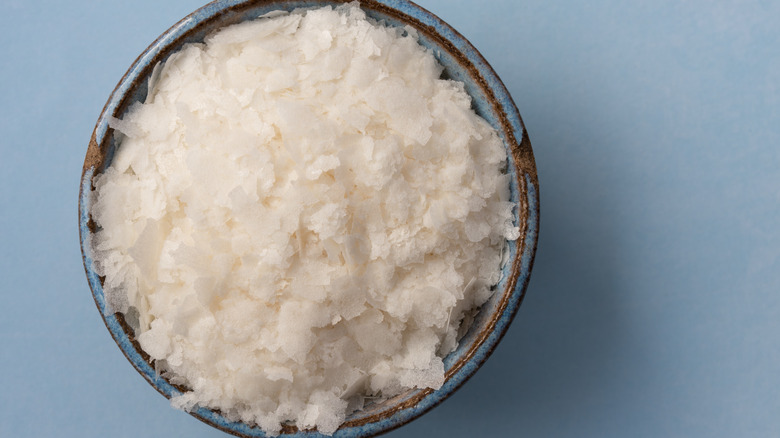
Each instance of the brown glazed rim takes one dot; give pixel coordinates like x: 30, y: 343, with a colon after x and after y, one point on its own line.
x: 521, y: 155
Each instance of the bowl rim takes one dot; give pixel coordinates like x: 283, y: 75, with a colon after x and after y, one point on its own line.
x: 514, y: 136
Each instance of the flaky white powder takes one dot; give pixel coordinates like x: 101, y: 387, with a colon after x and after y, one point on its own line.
x: 299, y: 216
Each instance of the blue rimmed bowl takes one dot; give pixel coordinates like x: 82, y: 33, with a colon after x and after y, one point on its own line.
x: 491, y: 100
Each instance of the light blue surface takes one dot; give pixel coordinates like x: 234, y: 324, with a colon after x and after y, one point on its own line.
x: 654, y: 305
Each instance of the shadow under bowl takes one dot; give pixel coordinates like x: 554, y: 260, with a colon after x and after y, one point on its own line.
x: 490, y: 99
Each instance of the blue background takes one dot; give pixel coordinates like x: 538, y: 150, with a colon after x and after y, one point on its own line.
x: 654, y: 305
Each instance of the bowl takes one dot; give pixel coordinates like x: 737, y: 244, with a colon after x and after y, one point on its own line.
x: 490, y: 99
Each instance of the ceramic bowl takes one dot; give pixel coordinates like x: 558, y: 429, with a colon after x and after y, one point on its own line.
x: 490, y: 100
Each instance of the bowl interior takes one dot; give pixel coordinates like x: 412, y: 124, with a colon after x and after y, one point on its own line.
x: 490, y: 100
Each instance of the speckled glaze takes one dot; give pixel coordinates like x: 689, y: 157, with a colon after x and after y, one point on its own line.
x: 491, y: 100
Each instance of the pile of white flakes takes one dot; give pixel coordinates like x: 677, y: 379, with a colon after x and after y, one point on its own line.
x: 299, y: 217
